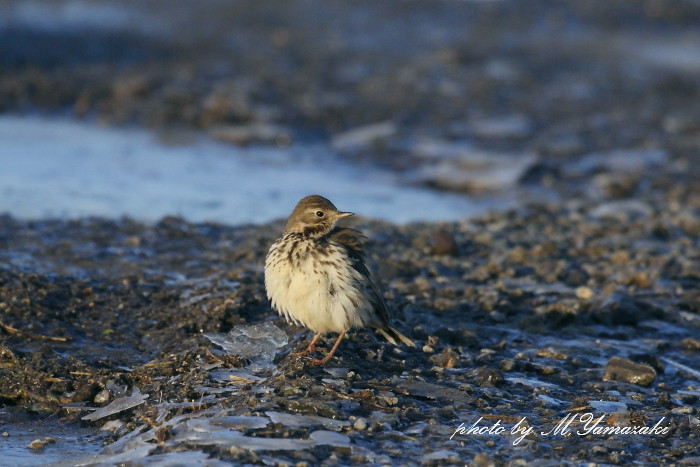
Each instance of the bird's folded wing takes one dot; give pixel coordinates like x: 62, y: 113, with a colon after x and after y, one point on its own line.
x: 354, y: 241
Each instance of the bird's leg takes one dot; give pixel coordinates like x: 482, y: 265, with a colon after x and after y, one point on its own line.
x: 310, y: 348
x: 330, y: 354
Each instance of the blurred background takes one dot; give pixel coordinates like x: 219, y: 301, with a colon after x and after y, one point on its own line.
x: 230, y: 111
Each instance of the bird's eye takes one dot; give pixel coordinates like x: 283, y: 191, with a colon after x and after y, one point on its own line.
x: 319, y: 213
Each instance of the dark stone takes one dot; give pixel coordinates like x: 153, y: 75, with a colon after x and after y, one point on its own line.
x: 444, y: 244
x: 456, y: 337
x: 621, y: 369
x: 488, y: 377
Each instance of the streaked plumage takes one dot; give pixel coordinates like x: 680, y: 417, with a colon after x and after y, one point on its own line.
x: 316, y: 276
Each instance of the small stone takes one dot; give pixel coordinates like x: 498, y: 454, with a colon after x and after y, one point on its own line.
x: 664, y: 399
x: 337, y: 372
x: 482, y: 460
x: 112, y: 425
x: 388, y: 397
x: 439, y: 457
x: 690, y: 344
x: 487, y: 377
x: 506, y: 364
x: 640, y: 279
x: 620, y: 257
x: 5, y: 434
x: 235, y: 450
x: 36, y: 444
x: 101, y: 397
x: 622, y: 369
x: 518, y: 255
x: 360, y: 424
x: 132, y: 241
x: 584, y: 293
x: 422, y: 284
x: 457, y: 336
x: 599, y: 450
x: 428, y: 349
x: 447, y: 359
x: 444, y: 244
x: 549, y: 353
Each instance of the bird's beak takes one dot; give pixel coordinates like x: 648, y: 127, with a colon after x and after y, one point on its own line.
x: 341, y: 215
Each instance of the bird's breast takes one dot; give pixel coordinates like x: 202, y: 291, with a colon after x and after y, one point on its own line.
x: 313, y: 283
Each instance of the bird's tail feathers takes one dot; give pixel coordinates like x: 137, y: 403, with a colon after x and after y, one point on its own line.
x: 392, y: 335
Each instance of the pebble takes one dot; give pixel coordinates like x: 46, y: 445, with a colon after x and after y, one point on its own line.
x: 447, y: 359
x: 506, y: 364
x: 457, y: 336
x: 444, y: 244
x: 438, y: 457
x: 360, y: 424
x: 36, y: 444
x: 584, y: 293
x: 599, y: 450
x: 112, y: 425
x: 482, y: 460
x: 690, y: 344
x: 388, y: 397
x: 622, y: 369
x: 101, y: 397
x: 487, y: 377
x: 621, y: 211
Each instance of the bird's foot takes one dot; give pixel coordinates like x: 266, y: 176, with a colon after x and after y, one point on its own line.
x: 310, y: 348
x: 321, y: 361
x: 330, y: 354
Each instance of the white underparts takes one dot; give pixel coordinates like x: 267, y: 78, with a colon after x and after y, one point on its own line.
x: 312, y: 283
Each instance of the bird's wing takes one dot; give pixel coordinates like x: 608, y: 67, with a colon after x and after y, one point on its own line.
x: 354, y: 241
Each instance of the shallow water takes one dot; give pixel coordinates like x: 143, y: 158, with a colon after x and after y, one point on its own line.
x: 71, y: 440
x: 63, y: 168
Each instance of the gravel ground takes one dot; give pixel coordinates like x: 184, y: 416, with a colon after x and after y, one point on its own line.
x: 587, y: 303
x: 537, y: 313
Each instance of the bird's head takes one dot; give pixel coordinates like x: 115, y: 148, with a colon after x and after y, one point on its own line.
x: 314, y: 216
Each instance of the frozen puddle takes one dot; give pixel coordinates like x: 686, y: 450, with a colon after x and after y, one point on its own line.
x: 63, y: 168
x: 62, y: 441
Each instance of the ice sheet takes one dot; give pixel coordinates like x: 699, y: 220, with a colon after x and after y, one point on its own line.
x: 80, y: 169
x: 259, y: 343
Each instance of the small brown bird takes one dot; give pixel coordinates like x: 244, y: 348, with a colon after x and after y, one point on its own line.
x: 315, y: 276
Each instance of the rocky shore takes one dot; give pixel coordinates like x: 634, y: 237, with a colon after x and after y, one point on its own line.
x: 537, y: 313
